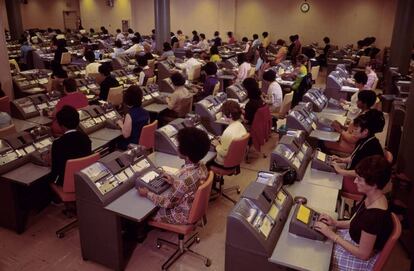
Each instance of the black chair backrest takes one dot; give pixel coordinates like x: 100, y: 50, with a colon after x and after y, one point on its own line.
x: 304, y: 86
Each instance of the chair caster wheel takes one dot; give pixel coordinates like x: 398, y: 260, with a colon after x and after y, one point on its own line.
x: 60, y: 235
x: 238, y: 191
x: 158, y: 245
x: 197, y: 240
x: 208, y: 262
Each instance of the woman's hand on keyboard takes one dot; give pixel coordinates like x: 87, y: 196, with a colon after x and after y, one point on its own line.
x: 143, y: 191
x: 168, y: 178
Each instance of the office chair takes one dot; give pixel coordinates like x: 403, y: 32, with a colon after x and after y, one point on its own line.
x: 197, y: 214
x: 152, y: 80
x: 315, y: 73
x: 116, y: 96
x: 5, y: 104
x: 286, y: 105
x: 66, y: 58
x: 66, y: 193
x: 232, y: 161
x: 185, y: 106
x: 349, y: 190
x: 304, y: 86
x: 252, y: 72
x: 147, y: 137
x: 216, y: 89
x: 389, y: 245
x: 14, y: 66
x: 194, y: 73
x: 8, y: 130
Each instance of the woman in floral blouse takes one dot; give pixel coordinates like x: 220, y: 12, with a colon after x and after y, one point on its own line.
x: 193, y: 145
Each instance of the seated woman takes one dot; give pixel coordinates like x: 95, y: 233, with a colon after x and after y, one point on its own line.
x: 244, y: 68
x: 274, y: 96
x: 347, y: 141
x: 107, y: 83
x: 118, y: 49
x: 71, y: 97
x: 93, y: 67
x: 71, y: 145
x: 255, y: 99
x: 135, y: 119
x: 358, y: 241
x: 143, y: 70
x: 168, y: 52
x: 175, y: 206
x: 231, y: 111
x: 299, y: 72
x: 210, y: 82
x: 281, y: 52
x: 214, y: 54
x: 175, y: 100
x: 371, y: 77
x: 365, y: 128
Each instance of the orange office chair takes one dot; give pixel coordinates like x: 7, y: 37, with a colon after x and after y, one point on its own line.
x: 389, y: 245
x: 116, y: 96
x: 147, y: 137
x: 232, y: 161
x: 11, y: 129
x: 5, y: 104
x: 286, y: 105
x: 67, y: 192
x: 197, y: 214
x: 66, y: 58
x: 350, y: 192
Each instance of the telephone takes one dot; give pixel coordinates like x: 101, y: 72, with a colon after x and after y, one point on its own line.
x: 24, y: 108
x: 303, y: 222
x: 296, y: 120
x: 322, y: 161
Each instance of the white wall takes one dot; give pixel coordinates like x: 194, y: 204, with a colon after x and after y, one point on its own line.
x: 96, y: 13
x: 46, y: 13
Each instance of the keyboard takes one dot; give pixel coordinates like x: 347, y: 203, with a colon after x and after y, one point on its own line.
x: 153, y: 181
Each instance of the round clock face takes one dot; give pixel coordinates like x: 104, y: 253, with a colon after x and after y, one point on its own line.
x: 304, y: 7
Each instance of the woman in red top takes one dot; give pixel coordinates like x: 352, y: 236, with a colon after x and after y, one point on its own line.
x: 72, y: 97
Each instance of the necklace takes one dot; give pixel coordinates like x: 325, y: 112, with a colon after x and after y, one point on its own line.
x: 377, y: 198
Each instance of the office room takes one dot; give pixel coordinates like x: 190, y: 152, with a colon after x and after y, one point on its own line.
x: 206, y: 135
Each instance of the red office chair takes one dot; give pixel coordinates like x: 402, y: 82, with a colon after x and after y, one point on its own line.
x: 261, y: 127
x: 232, y: 161
x: 67, y: 192
x: 197, y: 213
x: 5, y: 104
x: 389, y: 245
x: 147, y: 137
x: 349, y: 189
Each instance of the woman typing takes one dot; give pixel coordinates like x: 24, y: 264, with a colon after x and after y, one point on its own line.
x: 359, y: 240
x: 193, y: 145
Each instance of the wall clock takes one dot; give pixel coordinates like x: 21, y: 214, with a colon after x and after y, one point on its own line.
x: 304, y: 7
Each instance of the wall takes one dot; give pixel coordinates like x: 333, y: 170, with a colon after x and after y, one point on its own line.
x: 46, y: 13
x: 5, y: 76
x: 143, y: 20
x: 3, y: 14
x: 343, y: 21
x: 204, y: 16
x: 96, y: 13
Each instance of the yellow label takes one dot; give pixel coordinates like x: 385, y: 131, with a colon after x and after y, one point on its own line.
x: 303, y: 214
x: 266, y: 227
x: 321, y: 156
x: 280, y: 198
x: 314, y: 126
x: 273, y: 212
